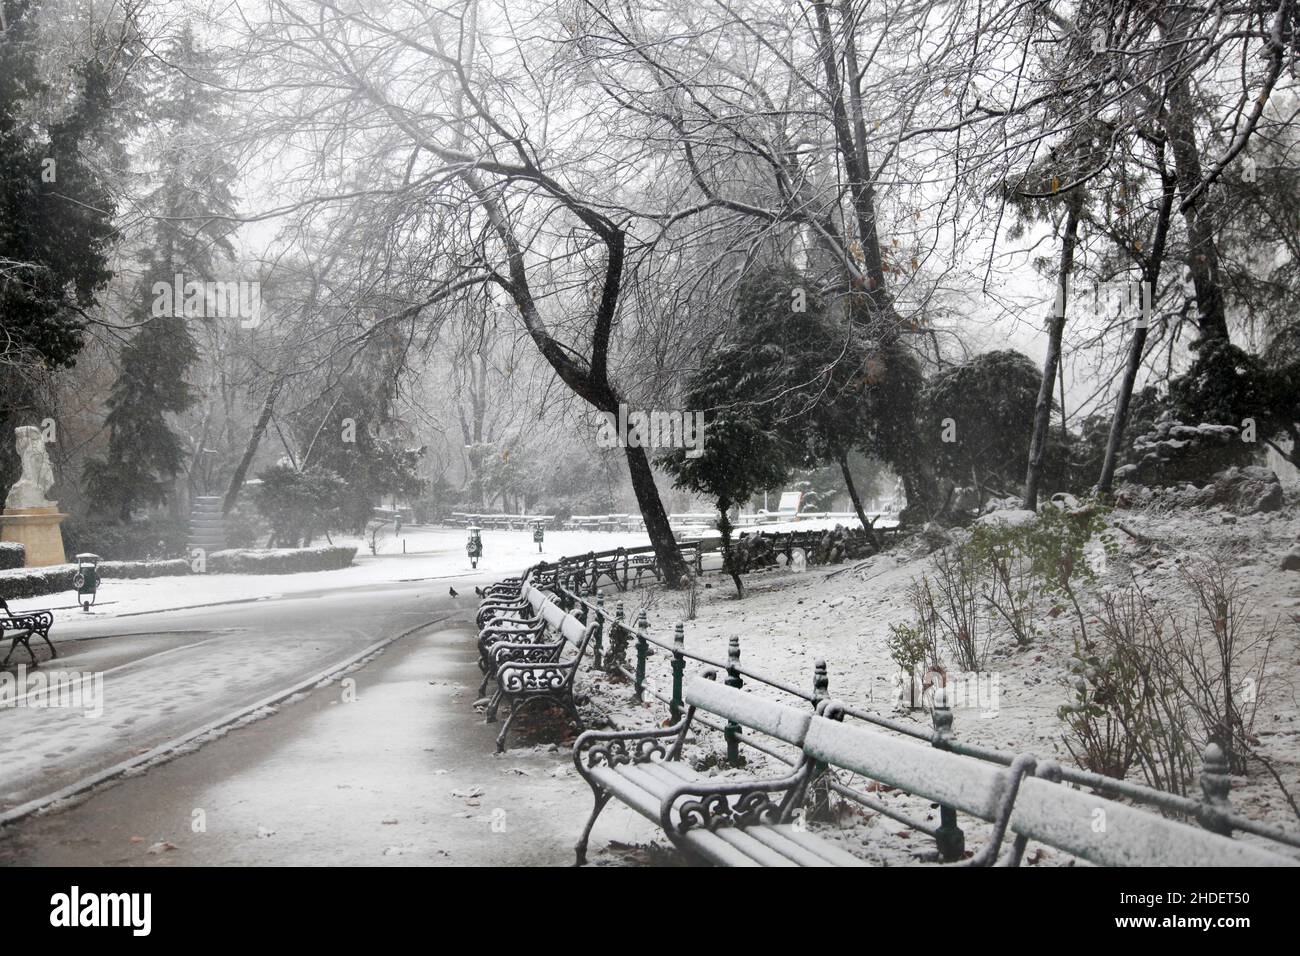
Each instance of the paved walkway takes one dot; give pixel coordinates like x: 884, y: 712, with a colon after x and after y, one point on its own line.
x: 393, y: 768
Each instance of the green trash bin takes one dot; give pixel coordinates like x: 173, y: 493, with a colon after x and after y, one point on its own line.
x: 86, y: 579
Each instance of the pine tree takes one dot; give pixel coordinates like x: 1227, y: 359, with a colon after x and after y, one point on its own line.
x: 189, y: 237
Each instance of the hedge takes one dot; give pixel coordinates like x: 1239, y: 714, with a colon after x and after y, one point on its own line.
x: 12, y: 555
x: 279, y: 561
x: 35, y: 582
x: 18, y: 583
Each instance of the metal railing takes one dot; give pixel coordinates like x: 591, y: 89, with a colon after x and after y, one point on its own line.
x: 614, y: 638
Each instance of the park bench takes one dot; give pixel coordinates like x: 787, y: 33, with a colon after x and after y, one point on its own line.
x: 538, y: 640
x: 732, y: 822
x: 526, y: 623
x: 523, y: 680
x: 496, y: 603
x: 747, y: 821
x: 21, y: 627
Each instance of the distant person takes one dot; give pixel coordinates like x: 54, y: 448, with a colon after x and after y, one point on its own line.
x: 397, y: 526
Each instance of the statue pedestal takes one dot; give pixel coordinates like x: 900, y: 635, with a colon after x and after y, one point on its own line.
x: 37, y: 529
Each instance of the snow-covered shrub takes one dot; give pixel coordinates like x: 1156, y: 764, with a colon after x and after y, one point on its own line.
x: 956, y: 606
x: 12, y: 555
x: 1011, y: 592
x: 279, y: 561
x: 1223, y: 658
x: 909, y: 648
x: 19, y: 583
x: 144, y: 569
x: 1127, y: 707
x: 37, y: 582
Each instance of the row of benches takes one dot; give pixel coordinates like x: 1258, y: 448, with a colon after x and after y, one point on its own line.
x: 754, y: 821
x: 500, y: 522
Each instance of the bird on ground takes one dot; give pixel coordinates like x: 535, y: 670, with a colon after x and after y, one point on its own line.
x: 452, y: 592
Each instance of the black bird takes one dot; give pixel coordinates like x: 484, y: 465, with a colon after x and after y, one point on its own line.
x: 479, y: 591
x: 452, y: 592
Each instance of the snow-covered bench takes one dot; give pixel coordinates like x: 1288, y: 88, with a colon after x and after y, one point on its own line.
x: 527, y: 673
x: 1022, y: 800
x: 21, y: 627
x: 732, y: 822
x: 497, y: 603
x: 746, y: 821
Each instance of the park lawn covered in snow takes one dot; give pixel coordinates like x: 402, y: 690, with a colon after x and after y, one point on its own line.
x: 787, y: 622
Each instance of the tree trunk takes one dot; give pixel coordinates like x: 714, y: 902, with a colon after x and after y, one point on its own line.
x: 250, y: 450
x: 724, y: 526
x: 1151, y: 277
x: 867, y: 526
x: 1043, y: 409
x: 1202, y: 252
x: 667, y: 553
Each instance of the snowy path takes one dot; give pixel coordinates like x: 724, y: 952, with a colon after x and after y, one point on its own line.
x: 196, y: 667
x: 403, y: 775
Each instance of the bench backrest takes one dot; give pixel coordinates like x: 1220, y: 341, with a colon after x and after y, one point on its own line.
x: 552, y: 614
x: 775, y: 720
x: 1051, y: 813
x: 573, y: 629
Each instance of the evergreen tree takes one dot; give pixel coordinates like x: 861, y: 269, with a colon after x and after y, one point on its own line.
x: 188, y: 237
x: 56, y: 216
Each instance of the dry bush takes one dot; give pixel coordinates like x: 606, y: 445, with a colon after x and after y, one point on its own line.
x: 955, y: 603
x: 1157, y: 685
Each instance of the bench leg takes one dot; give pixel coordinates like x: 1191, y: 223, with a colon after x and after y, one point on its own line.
x: 490, y: 715
x: 45, y: 637
x: 571, y: 706
x: 515, y: 707
x: 602, y: 798
x: 482, y: 688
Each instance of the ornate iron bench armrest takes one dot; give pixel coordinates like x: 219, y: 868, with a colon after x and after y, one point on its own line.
x: 36, y: 621
x: 738, y: 803
x: 489, y: 639
x: 525, y: 653
x: 615, y: 747
x: 490, y: 609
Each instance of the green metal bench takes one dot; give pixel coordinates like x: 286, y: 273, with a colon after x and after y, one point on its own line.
x: 744, y: 822
x: 747, y: 821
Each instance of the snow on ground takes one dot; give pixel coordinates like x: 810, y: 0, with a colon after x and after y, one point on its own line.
x: 788, y: 621
x: 430, y: 553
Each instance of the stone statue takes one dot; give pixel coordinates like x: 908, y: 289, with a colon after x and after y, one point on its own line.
x: 37, y: 477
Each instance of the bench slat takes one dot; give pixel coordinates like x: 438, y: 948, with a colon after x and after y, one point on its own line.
x: 716, y: 850
x: 774, y: 720
x: 1066, y: 818
x: 811, y: 852
x: 754, y: 848
x: 971, y: 786
x: 1051, y: 813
